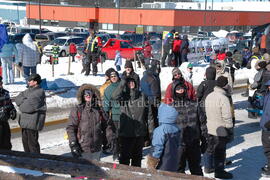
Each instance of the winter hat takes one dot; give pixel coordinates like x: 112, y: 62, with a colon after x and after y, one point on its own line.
x: 222, y: 81
x: 176, y: 71
x: 114, y: 73
x: 210, y: 73
x: 180, y: 86
x: 255, y: 50
x: 266, y: 57
x: 35, y: 77
x: 128, y: 64
x: 108, y: 72
x: 262, y: 64
x: 190, y: 65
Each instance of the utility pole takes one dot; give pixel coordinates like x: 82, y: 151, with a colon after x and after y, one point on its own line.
x: 39, y: 7
x: 119, y: 2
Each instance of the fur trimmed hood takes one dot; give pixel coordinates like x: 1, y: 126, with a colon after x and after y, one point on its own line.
x: 91, y: 87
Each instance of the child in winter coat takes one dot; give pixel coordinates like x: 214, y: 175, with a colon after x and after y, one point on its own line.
x: 118, y: 61
x: 166, y: 141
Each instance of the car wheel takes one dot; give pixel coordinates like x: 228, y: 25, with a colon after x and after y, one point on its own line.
x: 63, y: 54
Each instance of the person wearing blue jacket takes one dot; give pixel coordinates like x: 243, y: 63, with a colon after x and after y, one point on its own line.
x: 7, y: 53
x: 265, y: 125
x: 166, y: 141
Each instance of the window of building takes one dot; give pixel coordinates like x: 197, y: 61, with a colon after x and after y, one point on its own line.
x: 110, y: 26
x: 54, y: 23
x: 104, y: 26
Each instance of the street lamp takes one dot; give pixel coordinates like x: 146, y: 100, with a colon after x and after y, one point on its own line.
x: 118, y: 16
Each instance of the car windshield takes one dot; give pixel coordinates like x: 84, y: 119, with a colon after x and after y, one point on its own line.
x: 59, y: 42
x: 41, y: 37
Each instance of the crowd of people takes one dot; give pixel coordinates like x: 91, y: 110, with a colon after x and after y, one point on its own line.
x: 127, y: 112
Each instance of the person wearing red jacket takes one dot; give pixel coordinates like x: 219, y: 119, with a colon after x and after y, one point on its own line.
x: 177, y: 42
x: 147, y: 53
x: 178, y: 79
x: 72, y: 51
x: 221, y: 55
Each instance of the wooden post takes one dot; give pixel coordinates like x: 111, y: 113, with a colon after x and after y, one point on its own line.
x: 52, y: 60
x: 101, y: 63
x: 135, y: 60
x: 69, y: 64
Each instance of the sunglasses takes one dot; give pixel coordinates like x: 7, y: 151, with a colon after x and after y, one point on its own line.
x: 88, y: 93
x: 178, y: 74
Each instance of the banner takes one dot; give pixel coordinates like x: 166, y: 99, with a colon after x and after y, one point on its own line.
x: 3, y: 36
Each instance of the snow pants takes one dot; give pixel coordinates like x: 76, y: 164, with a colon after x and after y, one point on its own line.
x: 30, y: 141
x: 5, y: 136
x: 217, y: 149
x: 192, y: 154
x: 131, y: 150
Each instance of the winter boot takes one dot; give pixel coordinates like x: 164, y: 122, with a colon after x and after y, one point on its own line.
x: 266, y: 171
x: 223, y: 174
x: 209, y: 170
x: 252, y: 115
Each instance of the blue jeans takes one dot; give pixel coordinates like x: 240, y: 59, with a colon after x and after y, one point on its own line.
x: 27, y: 70
x: 8, y: 77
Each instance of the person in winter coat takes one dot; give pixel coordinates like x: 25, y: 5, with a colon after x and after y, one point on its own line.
x: 221, y: 55
x: 265, y: 126
x: 177, y: 42
x: 231, y: 64
x: 32, y: 104
x: 147, y: 53
x: 258, y: 83
x: 129, y: 72
x: 87, y: 124
x: 184, y: 49
x: 7, y: 111
x: 28, y: 56
x: 72, y: 51
x: 167, y: 49
x: 150, y: 87
x: 133, y: 118
x: 106, y: 83
x: 188, y: 74
x: 166, y: 141
x: 118, y: 61
x: 246, y: 55
x: 219, y: 126
x: 206, y: 87
x: 222, y: 70
x: 192, y: 131
x: 237, y: 57
x: 7, y: 54
x: 92, y: 50
x: 112, y: 108
x: 177, y: 76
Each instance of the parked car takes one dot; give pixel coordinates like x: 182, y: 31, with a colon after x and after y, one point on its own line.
x: 127, y: 50
x: 79, y: 30
x: 135, y: 39
x: 17, y: 38
x: 46, y: 38
x: 84, y: 35
x: 63, y: 43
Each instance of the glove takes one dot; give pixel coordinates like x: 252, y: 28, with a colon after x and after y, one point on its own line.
x: 203, y: 144
x: 20, y: 64
x: 230, y: 135
x: 76, y: 150
x: 13, y: 114
x: 151, y: 162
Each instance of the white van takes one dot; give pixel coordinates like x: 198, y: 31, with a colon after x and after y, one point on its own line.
x: 63, y: 43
